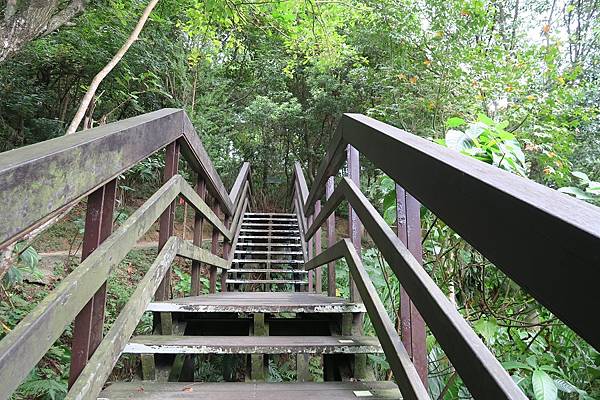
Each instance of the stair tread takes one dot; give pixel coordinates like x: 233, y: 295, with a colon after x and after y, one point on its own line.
x: 269, y: 244
x: 279, y: 253
x: 270, y: 270
x: 250, y: 302
x: 286, y: 225
x: 269, y: 281
x: 263, y: 261
x: 286, y: 219
x: 270, y: 214
x: 270, y: 237
x: 271, y: 231
x: 249, y: 390
x: 170, y: 344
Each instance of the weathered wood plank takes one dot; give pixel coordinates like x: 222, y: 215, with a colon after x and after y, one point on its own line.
x: 251, y: 302
x: 100, y: 365
x: 194, y: 152
x: 397, y: 356
x: 266, y: 281
x: 200, y: 205
x: 22, y: 348
x: 236, y: 190
x: 189, y: 250
x: 157, y: 344
x: 247, y: 391
x: 39, y: 179
x: 455, y: 187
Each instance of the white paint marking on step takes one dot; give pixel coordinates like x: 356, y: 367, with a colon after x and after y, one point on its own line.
x: 346, y: 341
x: 363, y: 393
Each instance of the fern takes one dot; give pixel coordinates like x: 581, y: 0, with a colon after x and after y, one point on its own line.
x: 42, y: 388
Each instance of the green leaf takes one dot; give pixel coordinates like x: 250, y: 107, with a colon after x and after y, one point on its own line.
x: 581, y: 175
x: 544, y: 387
x: 565, y: 386
x: 455, y: 121
x: 485, y: 119
x: 488, y: 328
x: 575, y: 191
x: 508, y: 365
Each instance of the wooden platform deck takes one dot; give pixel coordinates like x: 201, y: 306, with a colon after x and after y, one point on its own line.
x: 259, y: 302
x: 251, y: 391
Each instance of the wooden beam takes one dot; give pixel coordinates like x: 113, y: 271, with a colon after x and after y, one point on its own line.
x: 167, y: 219
x: 408, y: 222
x: 196, y: 286
x: 24, y: 346
x: 517, y: 221
x: 41, y: 178
x: 94, y: 375
x: 404, y: 371
x: 89, y: 323
x: 197, y: 157
x: 193, y: 252
x: 476, y: 365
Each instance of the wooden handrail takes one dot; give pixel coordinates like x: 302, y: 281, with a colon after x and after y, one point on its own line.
x: 476, y: 365
x: 98, y: 368
x: 542, y: 239
x: 404, y: 370
x: 27, y: 343
x: 39, y: 180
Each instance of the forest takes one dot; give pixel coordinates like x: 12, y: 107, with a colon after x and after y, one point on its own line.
x: 513, y: 83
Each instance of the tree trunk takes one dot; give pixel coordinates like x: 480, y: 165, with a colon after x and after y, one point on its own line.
x: 87, y: 99
x: 37, y: 18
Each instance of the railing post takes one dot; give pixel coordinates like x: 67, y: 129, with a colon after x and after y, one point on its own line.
x: 318, y: 249
x: 412, y: 326
x: 331, y: 284
x: 167, y: 218
x: 226, y: 250
x: 311, y: 254
x: 197, y: 239
x: 214, y: 248
x: 88, y: 326
x: 354, y: 225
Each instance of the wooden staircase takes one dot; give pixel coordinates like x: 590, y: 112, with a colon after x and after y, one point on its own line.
x: 268, y: 255
x: 272, y: 266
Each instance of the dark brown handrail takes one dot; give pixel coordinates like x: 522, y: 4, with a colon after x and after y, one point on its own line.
x: 41, y: 179
x: 544, y: 240
x: 401, y: 365
x: 476, y: 365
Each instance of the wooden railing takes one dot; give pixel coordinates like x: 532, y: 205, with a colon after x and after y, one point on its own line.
x: 543, y: 240
x: 39, y: 181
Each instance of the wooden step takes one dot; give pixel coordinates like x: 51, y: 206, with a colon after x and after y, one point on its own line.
x: 268, y: 224
x: 170, y: 344
x: 269, y: 231
x: 254, y: 244
x: 244, y: 237
x: 272, y: 215
x: 268, y: 270
x: 249, y: 390
x: 264, y: 261
x: 259, y: 219
x: 266, y: 281
x: 277, y: 253
x: 258, y: 302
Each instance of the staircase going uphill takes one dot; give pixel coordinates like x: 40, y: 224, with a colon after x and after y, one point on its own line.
x: 268, y: 256
x: 269, y: 322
